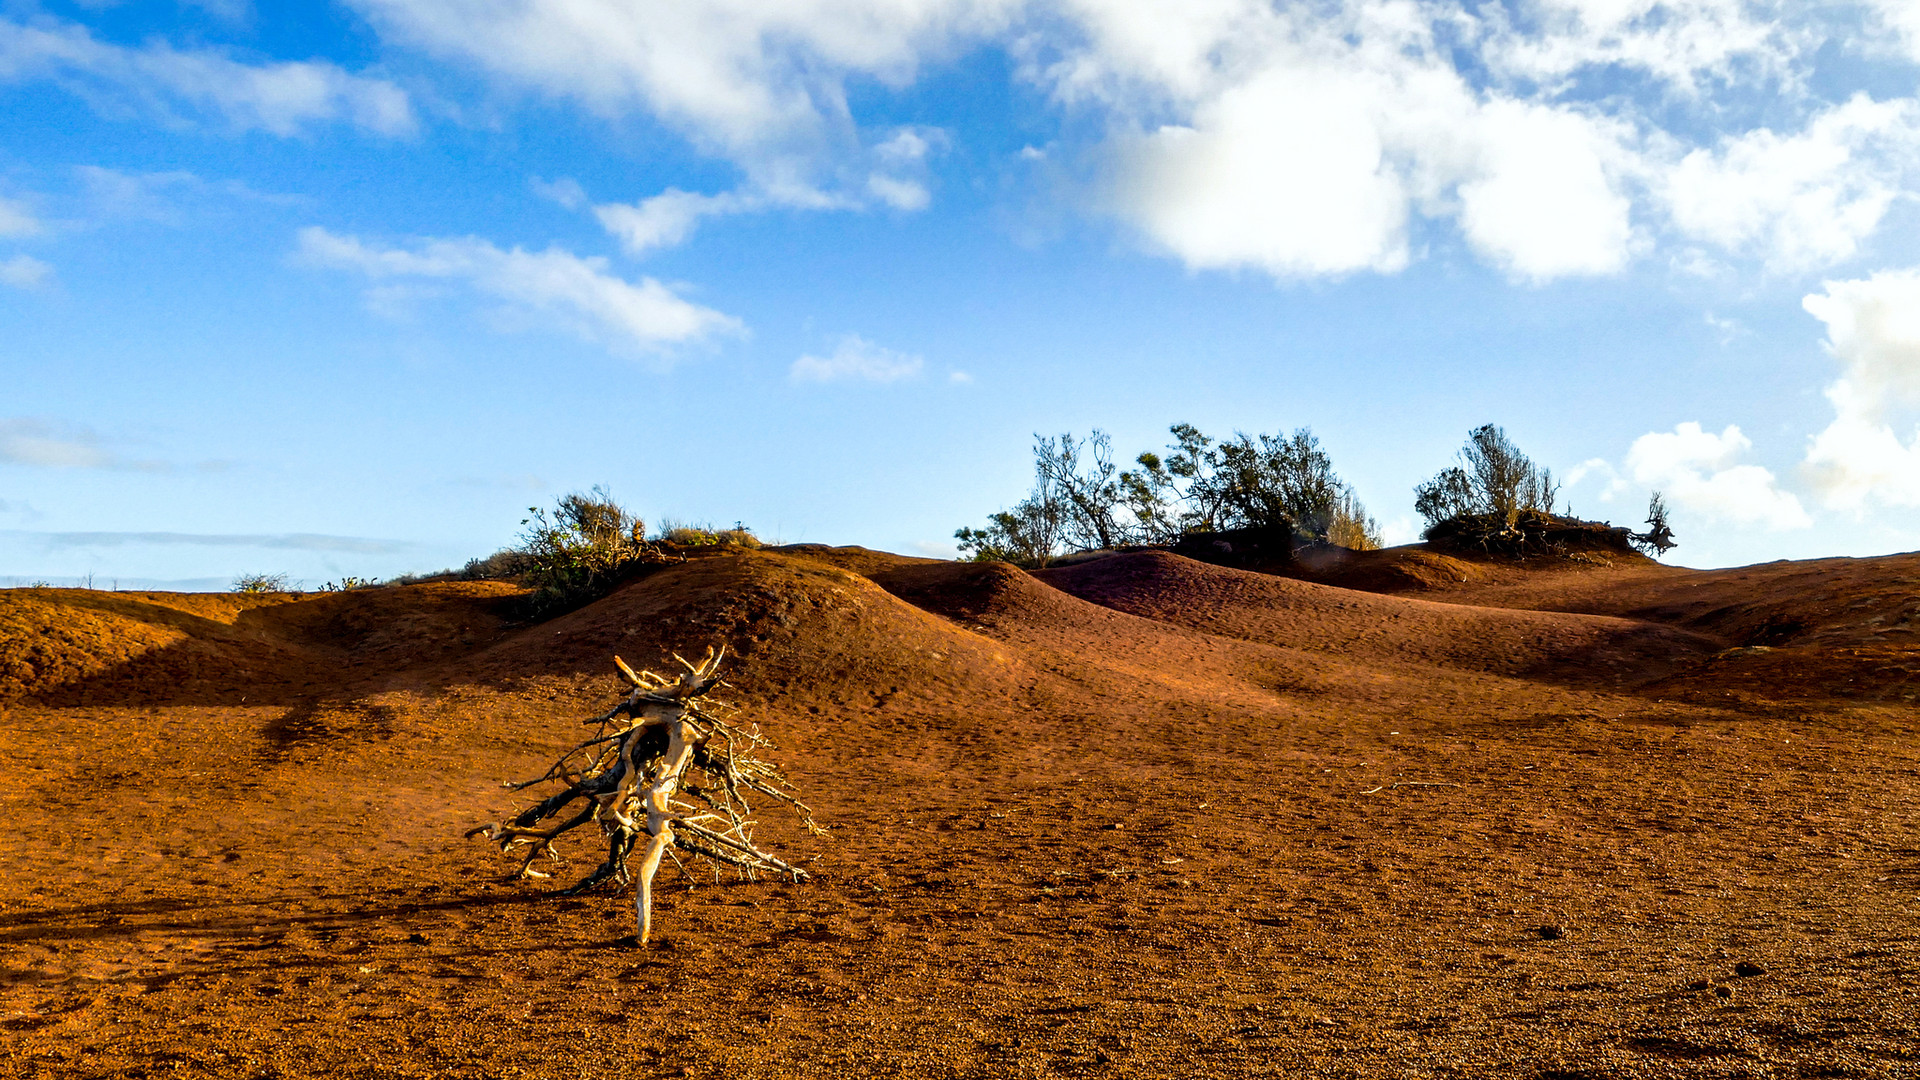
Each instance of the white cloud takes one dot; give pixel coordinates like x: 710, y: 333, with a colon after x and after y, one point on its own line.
x: 1548, y: 203
x: 1902, y: 18
x: 1698, y: 471
x: 24, y: 272
x: 565, y: 192
x: 1307, y: 145
x: 857, y: 359
x: 1807, y: 199
x: 1297, y: 138
x: 666, y: 219
x: 1597, y: 467
x: 1261, y: 179
x: 16, y: 219
x: 899, y: 194
x: 1873, y: 330
x: 562, y: 287
x: 283, y: 98
x: 1684, y: 44
x: 763, y: 85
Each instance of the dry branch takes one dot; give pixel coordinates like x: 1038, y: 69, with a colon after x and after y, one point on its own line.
x: 661, y: 771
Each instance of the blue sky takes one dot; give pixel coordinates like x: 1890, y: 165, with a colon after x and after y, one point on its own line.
x: 343, y: 288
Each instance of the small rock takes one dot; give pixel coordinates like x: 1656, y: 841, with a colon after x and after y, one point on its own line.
x: 1723, y: 991
x: 1549, y: 933
x: 416, y: 939
x: 1747, y: 969
x: 1699, y: 984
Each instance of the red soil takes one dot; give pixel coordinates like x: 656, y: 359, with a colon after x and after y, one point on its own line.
x: 1139, y: 816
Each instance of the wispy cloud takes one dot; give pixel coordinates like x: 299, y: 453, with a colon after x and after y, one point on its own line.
x: 17, y: 220
x: 569, y: 290
x: 355, y: 545
x: 31, y: 441
x: 50, y: 444
x: 856, y: 359
x: 180, y: 85
x: 24, y: 272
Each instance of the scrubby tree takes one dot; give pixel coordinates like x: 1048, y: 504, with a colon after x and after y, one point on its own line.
x: 1160, y: 494
x: 1267, y: 481
x: 1352, y: 527
x: 1491, y: 478
x: 1082, y: 501
x: 1027, y: 535
x: 1084, y: 484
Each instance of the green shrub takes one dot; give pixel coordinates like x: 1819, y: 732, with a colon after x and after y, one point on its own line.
x: 580, y: 551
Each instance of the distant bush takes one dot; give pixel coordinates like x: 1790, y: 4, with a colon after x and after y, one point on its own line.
x: 260, y: 583
x: 349, y: 583
x: 509, y: 564
x: 1082, y: 501
x: 1491, y: 478
x: 1027, y: 535
x: 680, y: 534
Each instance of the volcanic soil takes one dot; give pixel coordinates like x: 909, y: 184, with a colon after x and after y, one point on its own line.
x: 1399, y: 814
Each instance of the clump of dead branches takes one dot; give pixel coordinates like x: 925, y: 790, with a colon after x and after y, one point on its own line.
x: 662, y: 775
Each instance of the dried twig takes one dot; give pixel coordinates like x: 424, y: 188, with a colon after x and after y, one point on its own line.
x: 648, y: 756
x: 1407, y: 783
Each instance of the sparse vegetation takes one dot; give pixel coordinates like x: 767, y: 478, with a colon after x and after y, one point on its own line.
x: 1082, y: 501
x: 1494, y: 498
x: 680, y: 534
x: 260, y: 583
x: 350, y: 583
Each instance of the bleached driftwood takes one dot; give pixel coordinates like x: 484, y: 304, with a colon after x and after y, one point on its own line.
x: 660, y: 766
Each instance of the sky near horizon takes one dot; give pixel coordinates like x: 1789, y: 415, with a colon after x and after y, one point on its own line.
x: 343, y: 288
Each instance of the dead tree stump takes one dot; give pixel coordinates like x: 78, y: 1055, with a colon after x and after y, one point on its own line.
x: 661, y: 774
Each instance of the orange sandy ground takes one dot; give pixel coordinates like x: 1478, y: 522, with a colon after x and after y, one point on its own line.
x: 1138, y: 816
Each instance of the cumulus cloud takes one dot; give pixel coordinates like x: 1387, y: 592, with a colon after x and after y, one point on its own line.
x: 1805, y: 199
x: 1873, y: 330
x: 1257, y: 180
x: 283, y: 98
x: 24, y: 272
x: 574, y: 291
x: 1700, y: 472
x: 1298, y: 138
x: 856, y: 359
x: 1311, y: 140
